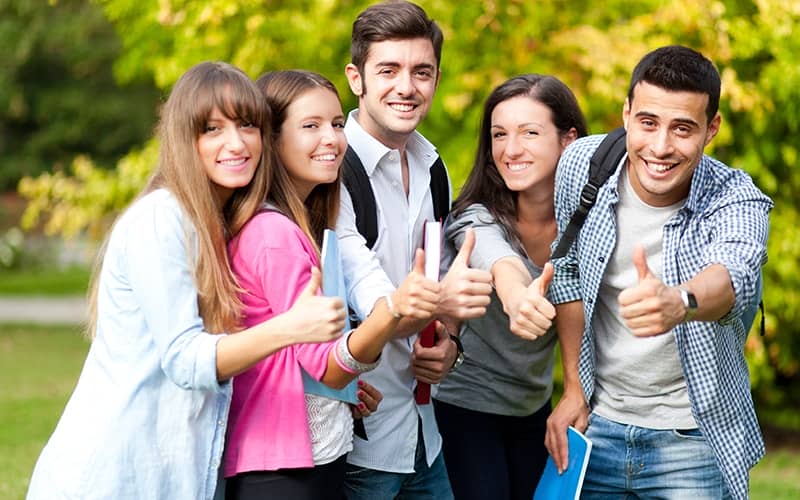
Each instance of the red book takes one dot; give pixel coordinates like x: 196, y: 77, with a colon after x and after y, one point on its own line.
x: 432, y: 244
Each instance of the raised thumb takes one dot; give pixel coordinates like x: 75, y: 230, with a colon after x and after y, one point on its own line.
x: 466, y: 247
x: 640, y: 262
x: 313, y: 284
x: 544, y: 279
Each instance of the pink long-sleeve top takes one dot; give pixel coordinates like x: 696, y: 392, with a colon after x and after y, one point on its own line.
x: 268, y: 424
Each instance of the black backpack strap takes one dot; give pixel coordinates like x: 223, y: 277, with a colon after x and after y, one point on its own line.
x: 356, y: 181
x: 603, y: 163
x: 440, y: 190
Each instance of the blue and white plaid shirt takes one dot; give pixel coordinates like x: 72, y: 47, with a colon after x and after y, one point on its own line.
x: 725, y: 220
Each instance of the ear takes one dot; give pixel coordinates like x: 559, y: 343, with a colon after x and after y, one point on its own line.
x: 438, y: 76
x: 354, y: 79
x: 626, y: 112
x: 713, y: 128
x: 568, y: 138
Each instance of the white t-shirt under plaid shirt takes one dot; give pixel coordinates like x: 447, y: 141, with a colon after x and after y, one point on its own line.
x: 725, y: 221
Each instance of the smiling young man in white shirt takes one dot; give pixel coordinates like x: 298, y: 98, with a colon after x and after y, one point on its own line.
x: 394, y: 71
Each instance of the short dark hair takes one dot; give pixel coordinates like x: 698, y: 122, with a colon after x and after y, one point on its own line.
x: 679, y: 68
x: 392, y: 20
x: 484, y: 184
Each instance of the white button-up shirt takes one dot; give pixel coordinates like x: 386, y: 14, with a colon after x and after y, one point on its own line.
x: 372, y: 274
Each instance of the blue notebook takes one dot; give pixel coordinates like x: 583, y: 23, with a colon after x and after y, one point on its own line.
x: 332, y: 286
x: 555, y: 486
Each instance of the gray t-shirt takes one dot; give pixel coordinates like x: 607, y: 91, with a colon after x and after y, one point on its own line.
x: 639, y: 380
x: 502, y: 373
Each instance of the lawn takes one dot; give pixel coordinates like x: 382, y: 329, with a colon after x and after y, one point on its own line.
x: 36, y: 280
x: 40, y: 365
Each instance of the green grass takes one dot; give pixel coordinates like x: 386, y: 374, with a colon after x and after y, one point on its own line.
x: 40, y: 281
x: 39, y: 366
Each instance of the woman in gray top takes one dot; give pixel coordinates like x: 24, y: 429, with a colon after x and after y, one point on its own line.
x: 492, y: 411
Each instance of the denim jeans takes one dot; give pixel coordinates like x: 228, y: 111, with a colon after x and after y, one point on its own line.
x: 634, y: 462
x: 425, y: 483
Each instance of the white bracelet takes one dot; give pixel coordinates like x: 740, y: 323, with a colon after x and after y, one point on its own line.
x: 346, y: 358
x: 390, y: 305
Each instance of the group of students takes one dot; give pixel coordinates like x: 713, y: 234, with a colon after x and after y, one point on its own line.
x: 205, y: 307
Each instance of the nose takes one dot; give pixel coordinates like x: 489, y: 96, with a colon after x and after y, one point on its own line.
x: 233, y: 139
x: 513, y: 147
x: 661, y: 143
x: 404, y: 84
x: 328, y: 135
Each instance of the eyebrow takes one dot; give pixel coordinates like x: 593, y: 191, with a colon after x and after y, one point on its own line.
x: 394, y: 64
x: 687, y: 121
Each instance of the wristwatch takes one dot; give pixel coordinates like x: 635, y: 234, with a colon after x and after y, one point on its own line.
x: 460, y: 358
x: 690, y: 303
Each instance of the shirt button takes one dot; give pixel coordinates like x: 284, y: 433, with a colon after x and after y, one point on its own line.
x: 221, y: 423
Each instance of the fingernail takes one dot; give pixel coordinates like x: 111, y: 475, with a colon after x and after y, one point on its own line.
x: 362, y: 406
x: 361, y: 383
x: 361, y: 394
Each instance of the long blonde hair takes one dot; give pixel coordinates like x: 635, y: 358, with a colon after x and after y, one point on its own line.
x: 184, y: 117
x: 320, y: 209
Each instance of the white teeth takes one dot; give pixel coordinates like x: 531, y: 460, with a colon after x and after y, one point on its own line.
x: 233, y: 162
x: 327, y: 157
x: 659, y: 167
x: 402, y: 107
x: 515, y: 167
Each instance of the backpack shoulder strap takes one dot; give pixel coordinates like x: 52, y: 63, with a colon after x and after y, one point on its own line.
x: 440, y: 190
x: 356, y: 181
x: 603, y: 163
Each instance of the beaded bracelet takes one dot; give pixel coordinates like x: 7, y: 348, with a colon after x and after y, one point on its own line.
x: 345, y: 357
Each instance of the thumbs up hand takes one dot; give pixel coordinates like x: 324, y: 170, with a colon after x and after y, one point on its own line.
x: 465, y: 291
x: 650, y: 308
x: 417, y: 296
x: 534, y: 314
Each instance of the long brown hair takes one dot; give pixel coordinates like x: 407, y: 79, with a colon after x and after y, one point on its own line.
x: 183, y: 118
x: 484, y: 184
x: 320, y: 209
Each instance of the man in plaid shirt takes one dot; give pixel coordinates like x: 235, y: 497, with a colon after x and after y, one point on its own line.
x: 651, y: 295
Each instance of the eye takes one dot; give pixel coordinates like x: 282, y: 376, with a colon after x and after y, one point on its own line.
x: 531, y: 132
x: 310, y: 125
x: 209, y: 128
x: 248, y: 125
x: 498, y: 135
x: 424, y: 73
x: 338, y: 124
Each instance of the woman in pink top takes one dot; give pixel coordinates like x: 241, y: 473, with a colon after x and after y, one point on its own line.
x: 282, y: 442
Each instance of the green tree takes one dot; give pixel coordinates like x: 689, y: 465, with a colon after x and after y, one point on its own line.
x: 590, y: 45
x: 58, y: 96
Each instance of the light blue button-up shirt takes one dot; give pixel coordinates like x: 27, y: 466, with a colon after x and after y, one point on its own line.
x: 147, y: 418
x: 725, y: 220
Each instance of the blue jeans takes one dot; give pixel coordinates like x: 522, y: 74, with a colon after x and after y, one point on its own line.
x: 634, y: 462
x: 425, y: 483
x: 492, y: 456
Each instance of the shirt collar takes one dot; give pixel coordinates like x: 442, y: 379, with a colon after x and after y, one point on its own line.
x: 371, y: 151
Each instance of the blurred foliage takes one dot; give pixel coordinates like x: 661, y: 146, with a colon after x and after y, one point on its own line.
x: 592, y: 46
x: 58, y: 95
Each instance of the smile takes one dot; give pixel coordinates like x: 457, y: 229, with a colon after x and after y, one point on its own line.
x: 403, y: 108
x: 659, y: 168
x: 516, y: 167
x: 234, y: 163
x: 324, y: 157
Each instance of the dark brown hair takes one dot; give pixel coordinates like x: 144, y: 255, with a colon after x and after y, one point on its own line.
x: 484, y: 184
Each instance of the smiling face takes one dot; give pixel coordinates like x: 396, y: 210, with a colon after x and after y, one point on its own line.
x: 526, y: 145
x: 667, y: 132
x: 396, y: 88
x: 312, y: 144
x: 230, y: 152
